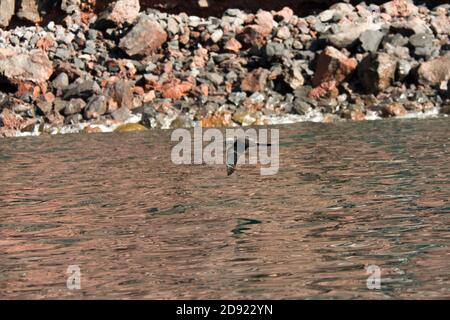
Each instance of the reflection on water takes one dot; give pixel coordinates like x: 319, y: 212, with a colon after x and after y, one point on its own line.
x: 347, y: 196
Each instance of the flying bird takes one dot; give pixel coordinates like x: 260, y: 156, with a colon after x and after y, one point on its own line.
x: 236, y: 149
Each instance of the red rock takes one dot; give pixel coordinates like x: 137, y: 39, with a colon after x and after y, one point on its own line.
x: 217, y: 119
x: 120, y: 12
x: 33, y: 66
x: 264, y: 20
x: 256, y: 34
x: 435, y: 71
x: 120, y: 91
x: 255, y: 81
x: 45, y: 43
x: 144, y: 38
x: 355, y: 115
x: 393, y: 110
x: 90, y: 129
x: 13, y: 121
x: 54, y: 117
x: 252, y: 37
x: 233, y: 45
x: 332, y: 68
x: 284, y: 14
x: 377, y: 71
x: 175, y: 89
x: 402, y: 8
x: 441, y: 24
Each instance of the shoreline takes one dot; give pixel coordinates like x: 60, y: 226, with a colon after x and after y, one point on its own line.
x: 133, y: 124
x: 156, y: 70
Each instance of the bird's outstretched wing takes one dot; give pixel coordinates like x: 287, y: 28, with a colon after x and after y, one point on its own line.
x: 234, y: 151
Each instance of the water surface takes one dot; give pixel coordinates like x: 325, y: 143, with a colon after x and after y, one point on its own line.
x: 347, y: 196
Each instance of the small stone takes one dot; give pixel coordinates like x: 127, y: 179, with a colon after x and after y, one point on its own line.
x: 296, y: 78
x: 346, y: 35
x: 121, y: 114
x: 284, y: 14
x: 333, y: 66
x: 33, y: 66
x: 396, y: 40
x: 232, y: 45
x: 422, y: 44
x: 144, y: 38
x: 421, y: 40
x: 6, y: 12
x: 370, y: 40
x: 96, y: 107
x: 120, y: 92
x: 91, y: 129
x: 73, y: 119
x: 402, y: 8
x: 217, y: 35
x: 118, y: 13
x: 74, y: 106
x: 393, y: 110
x: 283, y: 33
x: 215, y: 78
x: 83, y: 89
x: 255, y: 81
x: 130, y: 127
x: 63, y: 54
x: 435, y: 71
x: 237, y: 97
x: 44, y: 107
x: 326, y: 15
x: 264, y: 21
x: 172, y: 26
x: 377, y: 71
x: 411, y: 26
x: 30, y: 10
x: 61, y: 81
x: 59, y: 105
x: 441, y: 24
x: 403, y: 69
x: 274, y: 49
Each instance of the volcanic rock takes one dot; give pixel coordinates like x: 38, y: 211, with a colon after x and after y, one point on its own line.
x: 232, y: 45
x: 402, y: 8
x: 393, y: 109
x: 118, y: 13
x: 82, y: 89
x: 74, y: 106
x: 121, y: 114
x: 33, y: 66
x: 377, y: 71
x: 345, y: 35
x: 96, y: 107
x: 255, y: 81
x: 144, y: 38
x: 370, y: 40
x: 332, y: 67
x: 121, y: 93
x: 6, y: 12
x: 435, y: 71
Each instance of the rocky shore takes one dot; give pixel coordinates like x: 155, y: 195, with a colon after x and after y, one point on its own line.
x: 130, y: 69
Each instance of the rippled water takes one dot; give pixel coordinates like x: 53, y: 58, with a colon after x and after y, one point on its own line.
x: 347, y: 196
